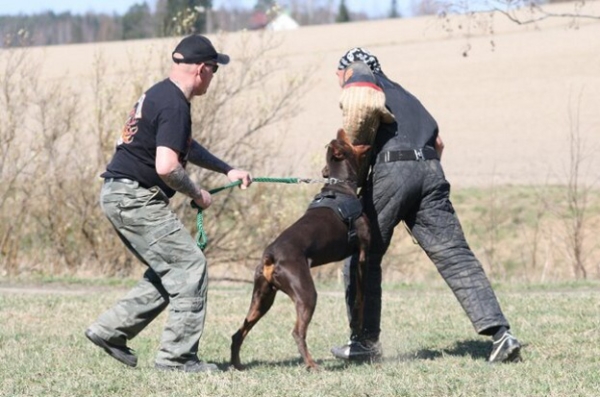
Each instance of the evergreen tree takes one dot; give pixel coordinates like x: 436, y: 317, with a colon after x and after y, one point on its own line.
x: 394, y: 10
x: 343, y: 14
x: 264, y: 5
x: 137, y: 22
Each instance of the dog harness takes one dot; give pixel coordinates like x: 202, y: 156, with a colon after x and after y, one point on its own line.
x: 347, y: 207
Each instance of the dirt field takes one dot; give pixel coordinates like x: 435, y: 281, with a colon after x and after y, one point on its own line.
x: 505, y: 111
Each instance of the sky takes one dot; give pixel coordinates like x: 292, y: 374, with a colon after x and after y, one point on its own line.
x: 373, y: 8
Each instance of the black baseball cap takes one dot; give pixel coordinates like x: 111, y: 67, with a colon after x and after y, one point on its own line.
x: 196, y: 49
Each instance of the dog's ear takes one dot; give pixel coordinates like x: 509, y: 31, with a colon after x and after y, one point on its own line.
x: 342, y: 136
x: 361, y: 150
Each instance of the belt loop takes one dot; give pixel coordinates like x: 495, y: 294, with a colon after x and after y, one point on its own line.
x: 419, y: 154
x: 386, y: 157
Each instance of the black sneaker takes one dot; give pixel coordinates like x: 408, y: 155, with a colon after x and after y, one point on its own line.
x: 120, y: 353
x: 358, y: 351
x: 191, y: 367
x: 506, y: 349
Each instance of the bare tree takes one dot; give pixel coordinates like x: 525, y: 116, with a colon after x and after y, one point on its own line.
x: 530, y: 11
x: 49, y: 212
x: 18, y: 72
x: 274, y: 95
x: 521, y: 12
x: 576, y: 195
x: 468, y: 18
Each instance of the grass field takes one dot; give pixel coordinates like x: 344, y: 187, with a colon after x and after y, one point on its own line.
x: 430, y: 348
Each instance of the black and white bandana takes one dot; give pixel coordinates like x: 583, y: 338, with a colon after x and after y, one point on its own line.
x: 360, y: 54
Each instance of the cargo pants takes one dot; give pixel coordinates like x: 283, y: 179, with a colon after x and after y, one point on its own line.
x: 176, y: 276
x: 417, y: 193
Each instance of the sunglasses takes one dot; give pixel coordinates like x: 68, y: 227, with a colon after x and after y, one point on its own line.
x: 213, y: 66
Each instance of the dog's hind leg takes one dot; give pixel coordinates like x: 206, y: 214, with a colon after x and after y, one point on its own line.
x: 263, y: 297
x: 300, y: 287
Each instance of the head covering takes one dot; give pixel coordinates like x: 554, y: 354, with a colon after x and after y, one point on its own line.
x: 196, y: 49
x: 359, y: 54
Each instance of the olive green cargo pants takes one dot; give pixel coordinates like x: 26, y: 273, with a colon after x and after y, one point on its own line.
x: 176, y: 276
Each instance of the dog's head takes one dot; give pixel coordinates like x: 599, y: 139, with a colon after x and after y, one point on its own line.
x: 343, y: 158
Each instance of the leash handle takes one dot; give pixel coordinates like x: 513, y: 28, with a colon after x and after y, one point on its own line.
x: 201, y: 239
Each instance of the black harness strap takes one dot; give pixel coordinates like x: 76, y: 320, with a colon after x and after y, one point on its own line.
x: 347, y: 207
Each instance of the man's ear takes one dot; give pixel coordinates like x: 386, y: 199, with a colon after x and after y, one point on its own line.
x: 203, y: 68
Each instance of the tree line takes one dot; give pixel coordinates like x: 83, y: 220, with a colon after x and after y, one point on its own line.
x: 166, y: 18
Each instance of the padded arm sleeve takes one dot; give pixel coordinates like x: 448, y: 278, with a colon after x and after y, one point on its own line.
x: 363, y: 104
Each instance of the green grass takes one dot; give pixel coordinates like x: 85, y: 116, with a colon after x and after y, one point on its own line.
x: 430, y: 346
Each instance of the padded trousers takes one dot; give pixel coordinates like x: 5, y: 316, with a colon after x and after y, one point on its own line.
x: 417, y: 193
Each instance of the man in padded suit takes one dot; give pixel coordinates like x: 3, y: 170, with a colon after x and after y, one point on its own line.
x: 407, y: 183
x: 148, y: 167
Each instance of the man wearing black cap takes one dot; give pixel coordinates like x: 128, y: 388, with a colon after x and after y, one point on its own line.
x: 407, y: 184
x: 148, y: 167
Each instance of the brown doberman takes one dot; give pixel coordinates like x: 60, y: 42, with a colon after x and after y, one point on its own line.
x: 332, y: 229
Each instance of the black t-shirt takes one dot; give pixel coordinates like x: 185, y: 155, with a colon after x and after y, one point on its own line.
x: 161, y: 117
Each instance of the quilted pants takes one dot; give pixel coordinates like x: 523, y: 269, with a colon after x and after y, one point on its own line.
x: 417, y: 193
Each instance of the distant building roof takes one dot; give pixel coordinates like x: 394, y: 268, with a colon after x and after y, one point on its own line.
x: 283, y: 22
x: 258, y: 20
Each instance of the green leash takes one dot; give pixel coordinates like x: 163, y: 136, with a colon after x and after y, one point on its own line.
x: 202, y: 239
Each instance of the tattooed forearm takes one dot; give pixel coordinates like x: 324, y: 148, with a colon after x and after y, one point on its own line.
x: 200, y: 156
x: 179, y: 180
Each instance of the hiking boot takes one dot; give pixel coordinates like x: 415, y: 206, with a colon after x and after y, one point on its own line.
x: 506, y: 349
x: 358, y: 351
x: 191, y: 367
x: 119, y: 352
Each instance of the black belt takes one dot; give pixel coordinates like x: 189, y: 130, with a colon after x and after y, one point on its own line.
x: 426, y: 153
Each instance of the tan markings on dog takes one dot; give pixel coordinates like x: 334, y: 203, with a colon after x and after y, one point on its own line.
x: 268, y: 268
